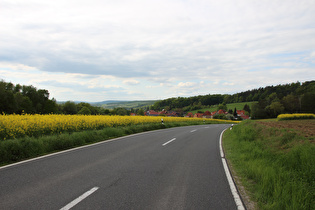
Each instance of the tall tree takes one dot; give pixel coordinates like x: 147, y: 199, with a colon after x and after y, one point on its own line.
x: 222, y: 106
x: 290, y: 103
x: 246, y: 108
x: 70, y: 108
x: 274, y: 109
x: 235, y: 112
x: 308, y: 102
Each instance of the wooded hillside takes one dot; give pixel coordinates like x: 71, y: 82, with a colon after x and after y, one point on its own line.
x: 272, y: 100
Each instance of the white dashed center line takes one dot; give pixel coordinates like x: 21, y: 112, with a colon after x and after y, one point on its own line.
x: 169, y: 141
x: 79, y: 199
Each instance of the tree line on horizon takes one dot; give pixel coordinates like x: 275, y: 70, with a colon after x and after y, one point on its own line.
x: 269, y: 101
x: 27, y: 99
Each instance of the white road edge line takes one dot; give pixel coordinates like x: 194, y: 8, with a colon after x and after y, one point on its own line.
x: 234, y: 191
x: 79, y: 199
x: 193, y: 131
x: 169, y: 141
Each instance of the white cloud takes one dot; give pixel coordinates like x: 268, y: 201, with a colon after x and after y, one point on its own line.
x: 16, y: 66
x: 131, y: 82
x: 186, y: 84
x: 229, y: 45
x: 229, y: 83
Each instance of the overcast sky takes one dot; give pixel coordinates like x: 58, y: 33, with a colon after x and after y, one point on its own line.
x: 95, y: 50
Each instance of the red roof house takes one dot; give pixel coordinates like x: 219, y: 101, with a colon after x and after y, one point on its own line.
x: 189, y: 114
x: 221, y: 111
x: 241, y: 113
x: 198, y: 115
x: 151, y: 113
x: 207, y: 114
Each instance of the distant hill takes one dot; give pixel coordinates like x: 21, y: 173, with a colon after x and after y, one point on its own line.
x: 93, y: 103
x: 124, y: 104
x: 111, y: 104
x: 107, y: 102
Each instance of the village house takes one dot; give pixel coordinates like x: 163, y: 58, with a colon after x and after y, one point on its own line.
x: 221, y: 111
x: 151, y: 113
x: 208, y: 114
x: 171, y: 114
x: 189, y: 114
x: 198, y: 115
x: 241, y: 113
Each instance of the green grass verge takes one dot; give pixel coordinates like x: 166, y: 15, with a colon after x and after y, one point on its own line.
x: 277, y: 166
x: 15, y: 150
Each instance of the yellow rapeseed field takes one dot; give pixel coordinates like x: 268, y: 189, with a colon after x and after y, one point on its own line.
x: 295, y: 116
x: 14, y: 126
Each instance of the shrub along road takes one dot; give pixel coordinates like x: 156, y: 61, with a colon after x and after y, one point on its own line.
x: 178, y: 168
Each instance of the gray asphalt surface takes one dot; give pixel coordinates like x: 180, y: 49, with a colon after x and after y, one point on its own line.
x: 134, y: 172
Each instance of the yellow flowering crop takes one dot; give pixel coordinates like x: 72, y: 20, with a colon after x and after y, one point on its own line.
x: 14, y: 126
x: 295, y: 116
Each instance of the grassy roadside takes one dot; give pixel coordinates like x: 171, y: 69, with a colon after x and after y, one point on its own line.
x: 15, y: 150
x: 276, y: 165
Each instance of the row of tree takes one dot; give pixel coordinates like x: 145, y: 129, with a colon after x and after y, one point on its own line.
x: 18, y: 99
x: 70, y: 107
x: 272, y: 105
x: 189, y: 103
x: 274, y: 100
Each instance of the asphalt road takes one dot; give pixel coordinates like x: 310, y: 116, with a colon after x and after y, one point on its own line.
x: 178, y: 168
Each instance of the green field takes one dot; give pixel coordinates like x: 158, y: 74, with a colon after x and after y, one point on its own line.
x: 128, y: 104
x: 238, y: 106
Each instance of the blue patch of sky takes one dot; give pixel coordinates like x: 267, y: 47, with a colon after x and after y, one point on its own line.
x: 290, y: 54
x: 264, y: 68
x: 300, y: 57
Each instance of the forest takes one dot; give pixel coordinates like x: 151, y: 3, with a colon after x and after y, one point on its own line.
x: 20, y: 99
x: 269, y: 101
x: 17, y: 99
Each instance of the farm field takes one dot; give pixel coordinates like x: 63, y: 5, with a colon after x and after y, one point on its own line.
x: 15, y: 126
x: 305, y: 128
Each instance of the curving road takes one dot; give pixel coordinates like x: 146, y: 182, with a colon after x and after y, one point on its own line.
x: 178, y: 168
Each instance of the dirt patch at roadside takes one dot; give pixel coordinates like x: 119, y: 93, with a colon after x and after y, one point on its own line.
x: 303, y: 127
